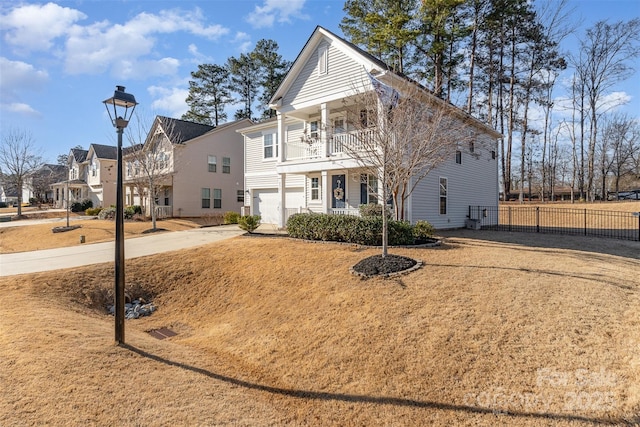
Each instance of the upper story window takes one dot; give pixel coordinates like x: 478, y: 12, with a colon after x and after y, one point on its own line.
x: 226, y: 165
x: 323, y: 60
x: 213, y: 163
x: 459, y: 157
x: 313, y: 128
x: 472, y: 147
x: 270, y: 144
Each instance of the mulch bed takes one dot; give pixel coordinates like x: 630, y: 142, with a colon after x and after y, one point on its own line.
x: 377, y: 265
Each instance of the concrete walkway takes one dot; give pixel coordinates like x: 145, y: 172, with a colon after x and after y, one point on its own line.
x: 75, y: 256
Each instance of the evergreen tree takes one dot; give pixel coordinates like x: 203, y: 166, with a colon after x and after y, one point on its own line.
x: 209, y: 94
x: 272, y: 69
x: 245, y: 78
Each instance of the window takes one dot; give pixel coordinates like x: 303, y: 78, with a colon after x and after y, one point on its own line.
x: 217, y: 198
x: 314, y: 130
x: 226, y: 165
x: 240, y: 196
x: 493, y: 154
x: 443, y: 196
x: 368, y: 189
x: 206, y: 198
x: 270, y: 141
x: 459, y: 157
x: 323, y: 59
x: 472, y: 147
x: 315, y: 188
x: 129, y: 169
x: 166, y: 196
x: 213, y: 163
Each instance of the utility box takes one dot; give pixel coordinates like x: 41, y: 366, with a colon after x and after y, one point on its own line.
x: 472, y: 224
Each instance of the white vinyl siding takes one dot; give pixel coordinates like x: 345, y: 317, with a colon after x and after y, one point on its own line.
x: 309, y: 84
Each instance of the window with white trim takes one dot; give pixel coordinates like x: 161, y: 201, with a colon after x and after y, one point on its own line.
x: 240, y: 196
x: 206, y: 198
x: 443, y: 196
x: 213, y: 163
x: 270, y: 144
x: 323, y: 60
x: 315, y: 188
x: 226, y: 165
x: 459, y: 157
x: 368, y: 189
x: 217, y: 198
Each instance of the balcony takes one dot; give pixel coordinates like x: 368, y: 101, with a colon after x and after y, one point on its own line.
x: 338, y: 144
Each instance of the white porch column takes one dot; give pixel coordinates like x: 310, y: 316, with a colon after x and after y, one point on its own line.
x: 326, y: 191
x: 282, y: 192
x: 324, y: 126
x: 281, y: 137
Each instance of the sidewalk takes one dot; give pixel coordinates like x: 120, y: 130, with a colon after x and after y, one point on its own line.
x: 75, y: 256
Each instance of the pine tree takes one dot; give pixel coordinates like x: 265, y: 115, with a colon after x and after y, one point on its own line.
x: 209, y: 94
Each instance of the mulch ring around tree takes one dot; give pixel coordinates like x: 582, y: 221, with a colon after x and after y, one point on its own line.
x: 391, y: 265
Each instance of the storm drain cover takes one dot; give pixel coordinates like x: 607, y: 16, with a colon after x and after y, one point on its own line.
x: 162, y: 333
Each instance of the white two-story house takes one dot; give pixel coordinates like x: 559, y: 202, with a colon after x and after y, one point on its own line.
x: 297, y: 162
x: 92, y: 176
x: 197, y: 169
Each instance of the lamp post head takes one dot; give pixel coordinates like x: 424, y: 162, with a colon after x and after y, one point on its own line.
x: 123, y: 106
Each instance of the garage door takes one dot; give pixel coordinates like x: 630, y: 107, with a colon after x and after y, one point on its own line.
x: 266, y: 203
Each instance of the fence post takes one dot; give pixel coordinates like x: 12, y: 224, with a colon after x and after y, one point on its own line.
x: 585, y: 222
x: 537, y: 219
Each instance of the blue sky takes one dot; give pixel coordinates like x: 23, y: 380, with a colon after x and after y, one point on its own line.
x: 59, y: 60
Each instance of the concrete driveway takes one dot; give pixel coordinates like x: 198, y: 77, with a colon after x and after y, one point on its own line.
x: 96, y: 253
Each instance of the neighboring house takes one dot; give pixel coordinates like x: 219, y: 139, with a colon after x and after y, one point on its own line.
x: 37, y: 185
x: 197, y: 169
x: 284, y: 175
x: 92, y: 176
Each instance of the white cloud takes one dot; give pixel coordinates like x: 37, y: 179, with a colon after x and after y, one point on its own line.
x: 169, y: 100
x: 17, y: 78
x: 276, y: 10
x: 34, y: 27
x: 20, y: 108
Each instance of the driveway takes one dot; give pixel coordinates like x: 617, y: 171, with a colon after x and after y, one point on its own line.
x: 96, y: 253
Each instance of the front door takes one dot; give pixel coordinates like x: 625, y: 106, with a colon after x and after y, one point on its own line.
x: 338, y: 193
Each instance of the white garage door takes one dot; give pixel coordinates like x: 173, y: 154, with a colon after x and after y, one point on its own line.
x: 266, y: 203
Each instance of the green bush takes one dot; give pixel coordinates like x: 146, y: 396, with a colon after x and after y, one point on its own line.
x: 231, y: 217
x: 423, y: 230
x: 369, y: 210
x: 81, y: 206
x: 249, y: 223
x: 93, y: 211
x: 348, y: 228
x: 4, y: 205
x: 33, y: 201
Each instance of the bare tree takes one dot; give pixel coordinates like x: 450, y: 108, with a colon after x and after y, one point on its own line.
x: 605, y: 55
x: 18, y: 159
x: 400, y: 138
x: 619, y: 140
x: 149, y: 158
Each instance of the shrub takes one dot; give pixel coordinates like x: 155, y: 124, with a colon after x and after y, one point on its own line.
x: 81, y: 206
x: 348, y: 228
x: 423, y: 230
x: 369, y: 210
x: 231, y: 217
x: 33, y: 201
x: 249, y: 222
x: 4, y: 205
x: 93, y: 211
x: 108, y: 213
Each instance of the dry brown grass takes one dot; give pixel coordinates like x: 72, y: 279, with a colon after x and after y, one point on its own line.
x: 621, y: 206
x: 495, y: 329
x: 41, y: 236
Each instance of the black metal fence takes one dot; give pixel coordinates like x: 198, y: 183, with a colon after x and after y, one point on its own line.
x: 535, y: 219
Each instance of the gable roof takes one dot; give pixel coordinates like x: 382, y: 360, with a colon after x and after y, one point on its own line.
x: 79, y: 154
x: 181, y: 131
x: 104, y: 151
x: 372, y: 65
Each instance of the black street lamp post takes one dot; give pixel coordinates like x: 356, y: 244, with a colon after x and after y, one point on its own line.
x: 123, y: 105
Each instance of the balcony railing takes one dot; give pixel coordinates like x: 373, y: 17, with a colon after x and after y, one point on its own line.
x: 339, y: 143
